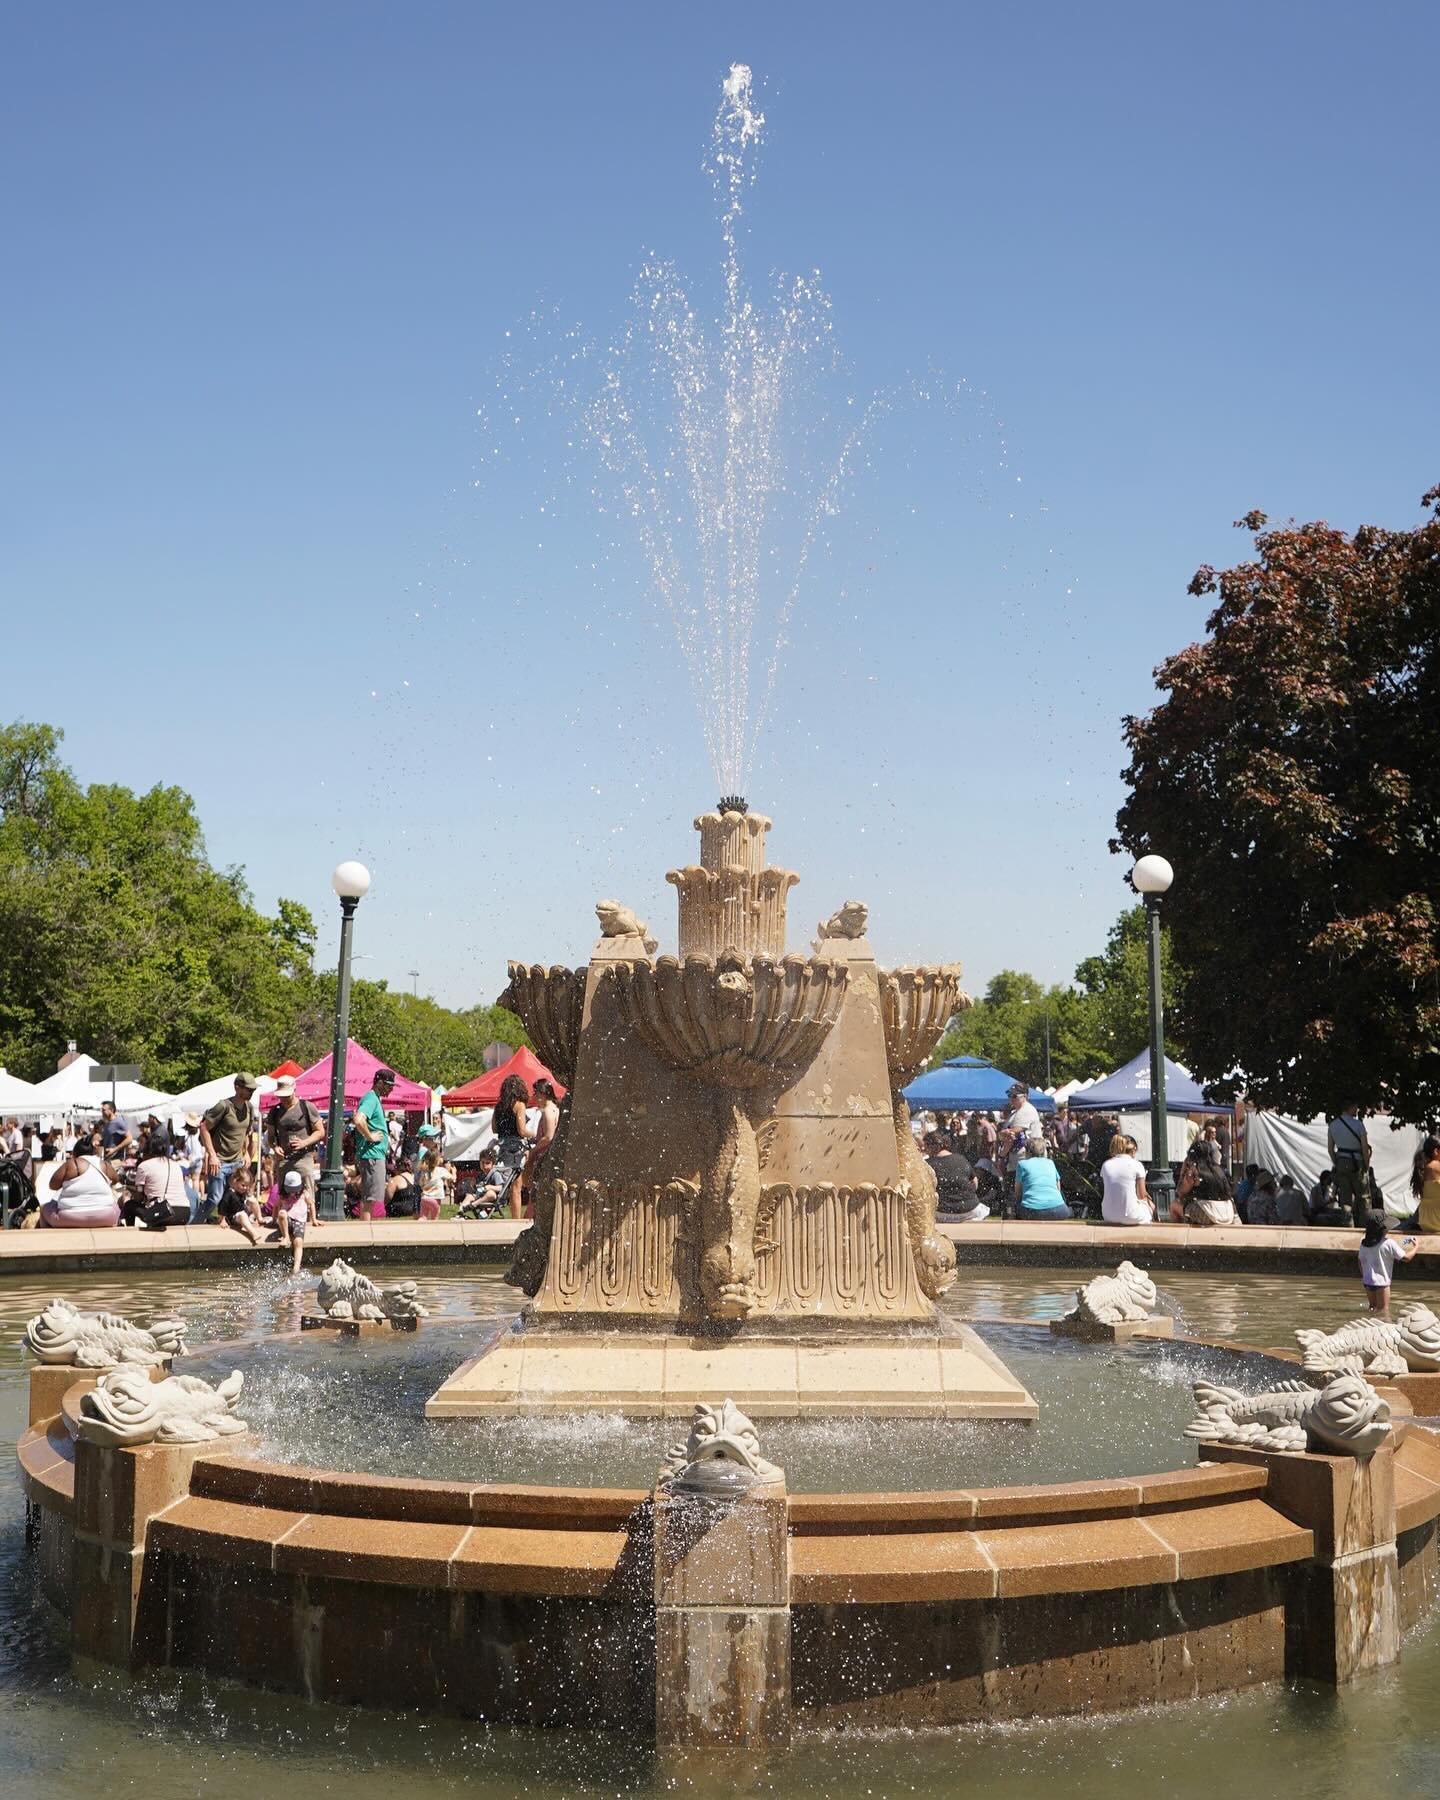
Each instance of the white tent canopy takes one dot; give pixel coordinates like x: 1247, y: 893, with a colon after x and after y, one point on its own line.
x: 17, y: 1096
x: 1297, y: 1148
x: 201, y: 1098
x: 71, y: 1090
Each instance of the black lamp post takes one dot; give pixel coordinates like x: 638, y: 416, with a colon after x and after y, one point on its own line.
x: 351, y: 881
x: 1151, y: 877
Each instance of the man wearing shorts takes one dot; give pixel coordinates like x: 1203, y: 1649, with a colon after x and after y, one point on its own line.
x: 372, y: 1141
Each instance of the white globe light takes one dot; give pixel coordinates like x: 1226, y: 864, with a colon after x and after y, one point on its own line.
x: 351, y: 881
x: 1152, y: 875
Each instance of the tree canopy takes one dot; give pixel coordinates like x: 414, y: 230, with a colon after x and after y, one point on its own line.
x: 116, y: 931
x: 1293, y: 775
x: 1093, y: 1028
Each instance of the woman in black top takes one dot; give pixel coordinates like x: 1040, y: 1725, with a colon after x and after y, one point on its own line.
x: 512, y: 1137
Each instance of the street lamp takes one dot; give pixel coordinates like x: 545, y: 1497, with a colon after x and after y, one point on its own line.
x: 1151, y: 877
x: 351, y: 881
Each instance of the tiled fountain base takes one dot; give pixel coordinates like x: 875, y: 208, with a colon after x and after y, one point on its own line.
x: 525, y: 1373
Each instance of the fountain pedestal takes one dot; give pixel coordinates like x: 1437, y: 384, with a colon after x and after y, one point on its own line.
x: 738, y: 1205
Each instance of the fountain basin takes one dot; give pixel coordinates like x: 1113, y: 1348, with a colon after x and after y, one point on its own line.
x: 978, y: 1603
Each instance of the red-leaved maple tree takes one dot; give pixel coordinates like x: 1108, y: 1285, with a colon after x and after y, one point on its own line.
x: 1292, y: 775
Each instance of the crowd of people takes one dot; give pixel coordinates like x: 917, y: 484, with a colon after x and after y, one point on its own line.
x: 1086, y: 1167
x: 258, y: 1173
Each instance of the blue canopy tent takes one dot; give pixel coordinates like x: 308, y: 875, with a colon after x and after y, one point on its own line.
x: 1128, y: 1090
x: 967, y: 1084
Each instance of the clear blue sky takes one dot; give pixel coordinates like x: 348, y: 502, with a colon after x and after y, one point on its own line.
x: 260, y: 262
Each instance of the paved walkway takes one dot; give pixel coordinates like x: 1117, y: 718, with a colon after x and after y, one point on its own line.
x: 1241, y: 1248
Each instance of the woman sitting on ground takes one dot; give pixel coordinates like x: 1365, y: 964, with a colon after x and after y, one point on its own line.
x: 1037, y: 1185
x: 1203, y: 1197
x: 1127, y: 1201
x: 82, y: 1196
x: 1324, y: 1208
x: 1260, y: 1209
x: 159, y: 1199
x: 959, y: 1199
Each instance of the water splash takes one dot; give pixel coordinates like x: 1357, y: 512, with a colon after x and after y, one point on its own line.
x: 725, y: 479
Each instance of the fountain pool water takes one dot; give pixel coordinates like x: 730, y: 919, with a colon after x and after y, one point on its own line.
x: 175, y: 1734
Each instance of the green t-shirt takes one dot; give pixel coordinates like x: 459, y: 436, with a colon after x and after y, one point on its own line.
x: 373, y: 1113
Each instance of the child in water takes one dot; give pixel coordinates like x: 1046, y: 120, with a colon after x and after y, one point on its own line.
x: 1379, y: 1253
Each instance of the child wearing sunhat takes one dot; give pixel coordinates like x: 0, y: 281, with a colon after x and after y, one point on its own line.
x: 297, y: 1211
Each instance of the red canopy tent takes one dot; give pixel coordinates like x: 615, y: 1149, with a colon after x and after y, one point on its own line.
x: 360, y: 1067
x: 484, y: 1090
x: 286, y: 1068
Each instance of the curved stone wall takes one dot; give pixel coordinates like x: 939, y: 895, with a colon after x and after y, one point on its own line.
x: 537, y: 1605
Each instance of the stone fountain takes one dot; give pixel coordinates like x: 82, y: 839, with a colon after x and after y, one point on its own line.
x: 734, y: 1205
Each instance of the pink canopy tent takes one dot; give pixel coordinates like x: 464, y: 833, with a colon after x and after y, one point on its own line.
x: 360, y: 1067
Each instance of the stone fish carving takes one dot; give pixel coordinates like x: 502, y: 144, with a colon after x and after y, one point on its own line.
x: 1346, y: 1417
x: 344, y: 1293
x: 128, y: 1408
x: 1375, y: 1346
x: 620, y: 921
x: 720, y: 1456
x: 64, y: 1334
x: 1126, y: 1296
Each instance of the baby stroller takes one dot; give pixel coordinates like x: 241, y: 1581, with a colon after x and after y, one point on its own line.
x: 18, y: 1198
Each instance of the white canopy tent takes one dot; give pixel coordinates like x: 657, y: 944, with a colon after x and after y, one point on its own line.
x: 71, y: 1090
x: 17, y: 1097
x: 1298, y: 1148
x: 201, y: 1098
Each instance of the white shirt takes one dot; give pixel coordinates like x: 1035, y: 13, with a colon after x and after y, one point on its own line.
x: 1347, y: 1137
x: 1024, y: 1120
x: 1122, y: 1204
x: 1377, y: 1260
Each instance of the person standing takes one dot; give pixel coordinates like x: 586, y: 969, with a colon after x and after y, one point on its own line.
x: 115, y: 1134
x: 293, y: 1129
x: 512, y: 1135
x: 1349, y: 1145
x: 372, y: 1143
x: 1379, y: 1253
x: 228, y: 1133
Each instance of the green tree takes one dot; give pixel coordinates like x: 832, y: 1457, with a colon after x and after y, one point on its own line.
x: 1093, y: 1028
x: 115, y: 930
x: 1295, y: 763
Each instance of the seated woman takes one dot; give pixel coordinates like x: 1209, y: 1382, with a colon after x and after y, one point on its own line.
x: 959, y: 1199
x: 1037, y: 1185
x: 158, y: 1199
x: 82, y: 1197
x: 1203, y: 1197
x: 1261, y: 1208
x: 1126, y: 1200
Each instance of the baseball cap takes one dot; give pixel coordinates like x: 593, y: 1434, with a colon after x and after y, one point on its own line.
x: 284, y: 1087
x: 293, y: 1181
x: 245, y: 1080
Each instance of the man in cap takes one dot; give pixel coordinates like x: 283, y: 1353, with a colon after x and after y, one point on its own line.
x: 293, y: 1129
x: 228, y: 1134
x: 1021, y: 1122
x: 372, y: 1142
